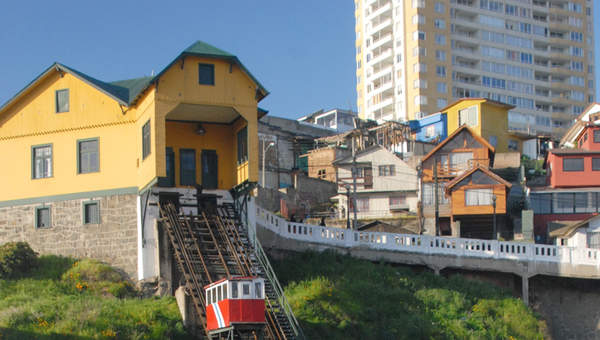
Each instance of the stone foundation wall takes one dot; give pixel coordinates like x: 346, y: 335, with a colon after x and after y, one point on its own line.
x: 113, y: 241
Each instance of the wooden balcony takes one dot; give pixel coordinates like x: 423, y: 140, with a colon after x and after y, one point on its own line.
x: 446, y: 171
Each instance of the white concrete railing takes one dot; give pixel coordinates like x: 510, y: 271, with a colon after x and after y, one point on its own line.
x: 427, y: 244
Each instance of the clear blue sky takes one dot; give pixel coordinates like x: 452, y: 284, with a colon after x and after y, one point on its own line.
x: 301, y: 51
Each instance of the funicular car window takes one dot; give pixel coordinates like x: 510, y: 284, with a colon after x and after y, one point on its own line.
x: 234, y: 290
x: 224, y: 290
x: 245, y: 288
x: 219, y: 297
x: 258, y: 290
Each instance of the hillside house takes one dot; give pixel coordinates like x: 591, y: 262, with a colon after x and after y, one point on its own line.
x: 336, y: 119
x: 487, y: 118
x: 579, y: 234
x: 463, y: 150
x: 90, y: 159
x: 386, y: 185
x: 477, y: 198
x: 282, y: 143
x: 572, y: 190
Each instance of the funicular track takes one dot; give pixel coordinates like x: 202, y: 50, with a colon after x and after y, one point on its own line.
x: 214, y: 245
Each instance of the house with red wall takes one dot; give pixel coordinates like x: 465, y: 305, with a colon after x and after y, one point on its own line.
x: 572, y: 191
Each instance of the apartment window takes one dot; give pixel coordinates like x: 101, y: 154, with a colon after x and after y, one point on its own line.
x: 419, y: 51
x: 322, y: 174
x: 420, y: 100
x: 440, y: 39
x: 442, y: 102
x: 362, y: 204
x: 62, y: 100
x: 418, y: 3
x: 206, y: 74
x: 420, y: 84
x: 440, y: 23
x: 595, y: 164
x: 146, y: 140
x: 41, y: 161
x: 474, y: 197
x: 440, y: 55
x: 43, y: 217
x: 513, y: 145
x: 439, y: 7
x: 419, y: 35
x: 468, y: 116
x: 420, y: 67
x: 91, y: 212
x: 242, y: 145
x: 187, y: 166
x: 596, y: 136
x: 397, y: 202
x: 387, y: 170
x: 442, y: 87
x: 493, y: 141
x: 440, y: 71
x: 572, y: 164
x: 418, y: 19
x: 88, y: 156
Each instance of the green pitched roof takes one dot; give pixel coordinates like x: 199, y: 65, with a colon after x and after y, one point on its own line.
x: 202, y: 48
x: 126, y: 91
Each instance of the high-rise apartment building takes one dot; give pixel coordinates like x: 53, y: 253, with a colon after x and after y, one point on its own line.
x: 414, y: 57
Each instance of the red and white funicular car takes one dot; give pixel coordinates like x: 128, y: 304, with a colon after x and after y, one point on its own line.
x: 237, y: 301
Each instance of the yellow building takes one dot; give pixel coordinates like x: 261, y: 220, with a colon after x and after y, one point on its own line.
x: 487, y: 118
x: 82, y: 158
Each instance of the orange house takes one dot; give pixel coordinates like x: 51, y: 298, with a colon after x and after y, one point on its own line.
x: 460, y: 152
x: 475, y: 197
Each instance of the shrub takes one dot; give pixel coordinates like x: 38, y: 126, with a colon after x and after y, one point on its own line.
x: 16, y: 259
x: 99, y: 278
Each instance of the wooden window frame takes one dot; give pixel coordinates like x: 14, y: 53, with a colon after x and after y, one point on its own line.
x: 36, y: 217
x: 578, y: 158
x: 79, y: 142
x: 84, y: 205
x: 33, y: 148
x: 56, y: 104
x: 146, y: 139
x: 207, y: 68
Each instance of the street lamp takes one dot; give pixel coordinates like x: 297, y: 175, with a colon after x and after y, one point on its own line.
x: 265, y: 149
x: 495, y: 236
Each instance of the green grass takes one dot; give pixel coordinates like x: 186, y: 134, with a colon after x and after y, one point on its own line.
x: 65, y: 299
x: 338, y: 297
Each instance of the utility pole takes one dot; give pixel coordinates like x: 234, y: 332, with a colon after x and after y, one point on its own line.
x: 354, y: 172
x: 348, y: 205
x: 494, y: 205
x: 437, y: 202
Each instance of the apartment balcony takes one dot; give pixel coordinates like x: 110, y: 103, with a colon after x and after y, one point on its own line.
x: 464, y: 34
x: 540, y: 3
x: 384, y: 58
x: 382, y: 87
x: 379, y: 74
x: 464, y: 3
x: 453, y: 170
x: 380, y: 10
x: 382, y: 105
x: 385, y: 26
x: 382, y: 41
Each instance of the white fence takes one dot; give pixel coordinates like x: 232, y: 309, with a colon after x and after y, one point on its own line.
x: 427, y: 244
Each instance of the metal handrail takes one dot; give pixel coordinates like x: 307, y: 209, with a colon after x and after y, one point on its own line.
x: 270, y: 273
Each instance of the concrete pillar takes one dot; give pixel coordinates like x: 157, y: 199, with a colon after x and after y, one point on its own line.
x: 182, y: 303
x: 525, y: 289
x: 455, y: 228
